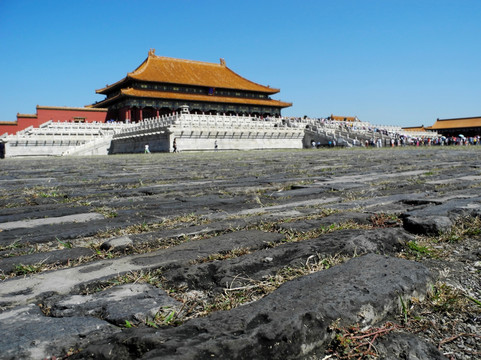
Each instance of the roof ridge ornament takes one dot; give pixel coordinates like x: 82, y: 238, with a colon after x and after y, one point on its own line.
x: 222, y: 62
x: 151, y: 52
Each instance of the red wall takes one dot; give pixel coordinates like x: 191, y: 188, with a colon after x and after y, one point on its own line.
x: 47, y: 113
x: 9, y: 127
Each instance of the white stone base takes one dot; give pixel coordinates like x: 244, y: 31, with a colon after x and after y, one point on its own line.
x: 195, y: 139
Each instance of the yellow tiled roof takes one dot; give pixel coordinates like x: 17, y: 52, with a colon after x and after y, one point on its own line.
x: 414, y: 128
x: 343, y: 118
x: 456, y: 123
x: 188, y: 72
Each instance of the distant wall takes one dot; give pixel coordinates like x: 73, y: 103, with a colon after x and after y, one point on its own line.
x: 47, y: 113
x: 9, y: 127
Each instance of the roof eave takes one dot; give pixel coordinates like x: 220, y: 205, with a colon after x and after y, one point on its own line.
x: 112, y: 87
x: 126, y: 93
x: 104, y: 102
x: 461, y: 118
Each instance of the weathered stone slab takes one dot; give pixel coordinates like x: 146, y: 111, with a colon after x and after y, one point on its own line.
x: 28, y: 334
x: 39, y: 211
x: 469, y: 178
x: 451, y: 208
x: 339, y: 218
x: 376, y: 203
x: 287, y: 206
x: 21, y: 291
x: 77, y: 218
x: 53, y: 232
x: 243, y: 270
x: 210, y: 228
x: 16, y: 182
x: 117, y: 244
x: 136, y: 303
x: 291, y: 323
x: 306, y: 191
x: 194, y: 250
x: 406, y: 346
x: 429, y: 225
x: 57, y: 257
x: 436, y: 219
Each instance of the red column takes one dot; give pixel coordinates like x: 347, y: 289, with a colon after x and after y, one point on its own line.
x: 157, y: 113
x: 140, y: 114
x: 127, y: 114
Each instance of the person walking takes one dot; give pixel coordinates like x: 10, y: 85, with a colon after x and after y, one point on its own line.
x: 2, y: 150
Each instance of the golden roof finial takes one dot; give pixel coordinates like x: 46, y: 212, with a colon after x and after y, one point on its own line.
x: 222, y: 62
x: 152, y: 52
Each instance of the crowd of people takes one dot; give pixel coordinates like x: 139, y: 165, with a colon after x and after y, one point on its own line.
x: 414, y: 141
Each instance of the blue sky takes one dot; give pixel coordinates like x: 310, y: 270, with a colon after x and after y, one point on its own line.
x: 392, y: 62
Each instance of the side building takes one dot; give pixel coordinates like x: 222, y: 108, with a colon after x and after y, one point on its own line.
x: 162, y: 85
x: 469, y: 126
x: 46, y: 114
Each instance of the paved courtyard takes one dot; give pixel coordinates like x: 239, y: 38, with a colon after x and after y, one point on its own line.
x: 242, y: 255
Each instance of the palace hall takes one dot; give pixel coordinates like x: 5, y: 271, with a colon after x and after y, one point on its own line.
x: 161, y: 85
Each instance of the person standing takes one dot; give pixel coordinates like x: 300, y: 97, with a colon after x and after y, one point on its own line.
x: 147, y: 150
x: 174, y: 145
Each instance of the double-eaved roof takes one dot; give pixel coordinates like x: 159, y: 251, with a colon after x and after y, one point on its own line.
x: 217, y: 82
x: 167, y: 70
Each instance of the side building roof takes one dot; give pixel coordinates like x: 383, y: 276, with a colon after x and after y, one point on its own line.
x: 456, y: 123
x: 188, y: 72
x: 344, y: 118
x: 415, y: 128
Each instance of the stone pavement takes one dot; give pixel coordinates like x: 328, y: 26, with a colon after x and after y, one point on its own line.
x: 238, y: 255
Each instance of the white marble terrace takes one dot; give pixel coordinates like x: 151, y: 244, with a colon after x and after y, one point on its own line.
x: 196, y: 132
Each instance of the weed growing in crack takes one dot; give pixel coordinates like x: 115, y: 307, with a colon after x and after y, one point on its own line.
x: 464, y: 227
x: 474, y: 300
x: 236, y: 252
x: 442, y: 245
x: 22, y: 269
x: 352, y: 342
x: 107, y: 212
x: 64, y: 244
x: 165, y: 316
x: 417, y: 316
x: 170, y: 223
x: 295, y: 236
x: 432, y: 314
x: 383, y: 220
x: 417, y: 251
x: 128, y: 324
x: 444, y: 298
x: 12, y: 246
x: 151, y: 277
x: 244, y: 290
